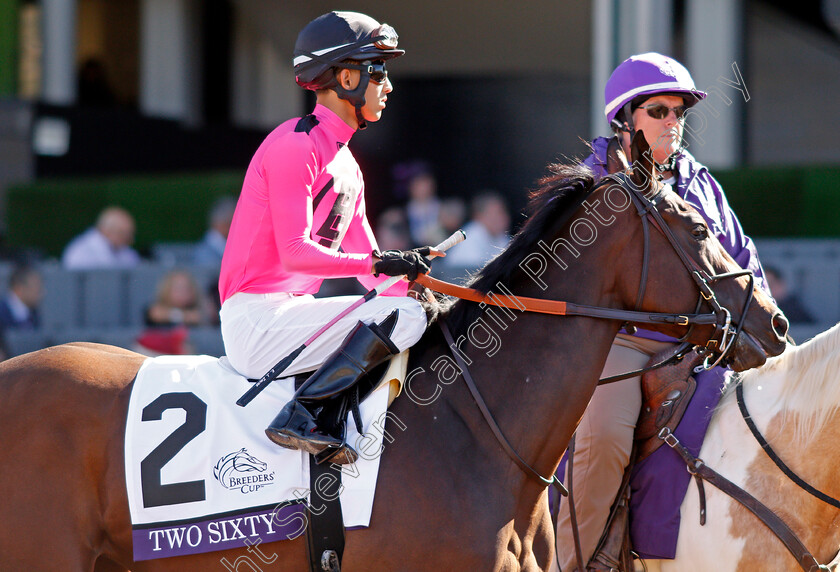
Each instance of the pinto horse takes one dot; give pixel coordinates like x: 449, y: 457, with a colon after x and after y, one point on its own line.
x: 794, y: 401
x: 449, y: 497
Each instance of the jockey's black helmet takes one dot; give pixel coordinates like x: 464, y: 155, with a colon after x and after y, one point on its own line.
x: 336, y: 37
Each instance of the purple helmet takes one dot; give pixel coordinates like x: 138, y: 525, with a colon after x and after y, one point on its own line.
x: 648, y: 74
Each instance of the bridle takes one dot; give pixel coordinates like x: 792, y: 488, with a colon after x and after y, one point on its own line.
x: 716, y: 348
x: 723, y: 338
x: 725, y: 334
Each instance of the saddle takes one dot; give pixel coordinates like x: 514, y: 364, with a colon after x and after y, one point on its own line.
x: 666, y: 393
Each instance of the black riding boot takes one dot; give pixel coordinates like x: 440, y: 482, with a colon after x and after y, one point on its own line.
x: 314, y: 420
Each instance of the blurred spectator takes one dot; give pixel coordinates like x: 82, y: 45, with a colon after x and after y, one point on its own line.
x: 179, y: 302
x: 209, y: 251
x: 416, y: 180
x: 453, y: 212
x: 392, y: 230
x: 19, y: 308
x: 787, y: 301
x: 93, y: 85
x: 164, y: 341
x: 487, y: 232
x: 106, y: 245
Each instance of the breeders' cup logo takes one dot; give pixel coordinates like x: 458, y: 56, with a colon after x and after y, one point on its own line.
x: 243, y: 472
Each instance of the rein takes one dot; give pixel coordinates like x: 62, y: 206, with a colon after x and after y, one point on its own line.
x: 777, y: 526
x: 770, y: 519
x: 742, y: 405
x: 561, y: 308
x: 488, y: 417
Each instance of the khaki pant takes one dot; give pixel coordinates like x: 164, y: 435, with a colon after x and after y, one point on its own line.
x: 603, y: 443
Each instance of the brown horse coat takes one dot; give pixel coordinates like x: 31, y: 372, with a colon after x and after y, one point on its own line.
x: 448, y: 496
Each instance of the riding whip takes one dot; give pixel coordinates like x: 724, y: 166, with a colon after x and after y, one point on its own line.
x: 281, y: 366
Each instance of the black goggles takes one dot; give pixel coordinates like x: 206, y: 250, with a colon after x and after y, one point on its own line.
x: 661, y: 111
x: 376, y: 70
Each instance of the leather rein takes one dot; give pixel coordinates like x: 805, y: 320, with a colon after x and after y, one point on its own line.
x: 770, y: 519
x: 720, y: 343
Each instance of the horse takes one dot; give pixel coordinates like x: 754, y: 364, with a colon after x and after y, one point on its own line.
x: 448, y: 495
x: 794, y: 400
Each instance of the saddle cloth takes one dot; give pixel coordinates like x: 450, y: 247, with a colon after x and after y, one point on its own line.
x: 202, y: 476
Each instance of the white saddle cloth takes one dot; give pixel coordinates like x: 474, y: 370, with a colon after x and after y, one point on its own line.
x: 202, y: 476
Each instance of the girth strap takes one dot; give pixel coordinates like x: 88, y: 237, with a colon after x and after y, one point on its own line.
x: 770, y: 519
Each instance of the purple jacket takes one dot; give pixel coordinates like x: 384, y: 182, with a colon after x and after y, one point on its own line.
x: 699, y: 188
x: 660, y: 482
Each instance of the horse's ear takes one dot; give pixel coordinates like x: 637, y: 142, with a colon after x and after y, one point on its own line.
x: 644, y: 169
x: 616, y: 158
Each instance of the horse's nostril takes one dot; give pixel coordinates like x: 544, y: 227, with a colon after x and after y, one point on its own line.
x: 780, y: 325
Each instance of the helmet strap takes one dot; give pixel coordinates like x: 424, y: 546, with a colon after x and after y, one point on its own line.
x: 359, y: 118
x: 628, y: 119
x: 355, y: 96
x: 671, y: 163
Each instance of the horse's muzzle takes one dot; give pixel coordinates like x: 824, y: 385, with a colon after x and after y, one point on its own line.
x: 750, y: 352
x: 747, y: 353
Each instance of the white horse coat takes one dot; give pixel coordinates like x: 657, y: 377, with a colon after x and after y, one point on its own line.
x: 794, y: 400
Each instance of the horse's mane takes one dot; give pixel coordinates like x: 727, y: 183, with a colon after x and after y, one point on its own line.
x: 557, y: 190
x: 810, y: 384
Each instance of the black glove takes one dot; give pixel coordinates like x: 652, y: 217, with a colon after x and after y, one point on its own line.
x: 402, y: 262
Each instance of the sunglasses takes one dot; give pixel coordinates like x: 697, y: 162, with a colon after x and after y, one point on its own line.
x: 661, y: 111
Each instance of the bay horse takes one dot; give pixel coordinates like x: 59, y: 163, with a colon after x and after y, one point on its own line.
x: 449, y: 497
x: 794, y: 401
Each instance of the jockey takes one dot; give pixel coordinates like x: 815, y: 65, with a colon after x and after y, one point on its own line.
x: 300, y: 219
x: 648, y: 92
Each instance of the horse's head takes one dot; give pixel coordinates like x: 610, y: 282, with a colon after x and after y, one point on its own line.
x: 244, y: 462
x: 686, y: 266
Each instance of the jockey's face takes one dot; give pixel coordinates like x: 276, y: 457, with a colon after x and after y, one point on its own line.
x: 663, y: 135
x: 376, y: 93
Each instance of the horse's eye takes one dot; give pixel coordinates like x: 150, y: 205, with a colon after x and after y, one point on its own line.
x: 700, y: 231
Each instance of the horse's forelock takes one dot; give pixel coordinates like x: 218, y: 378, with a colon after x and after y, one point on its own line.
x: 810, y: 381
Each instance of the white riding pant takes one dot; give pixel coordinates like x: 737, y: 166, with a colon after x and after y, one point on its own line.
x: 260, y: 329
